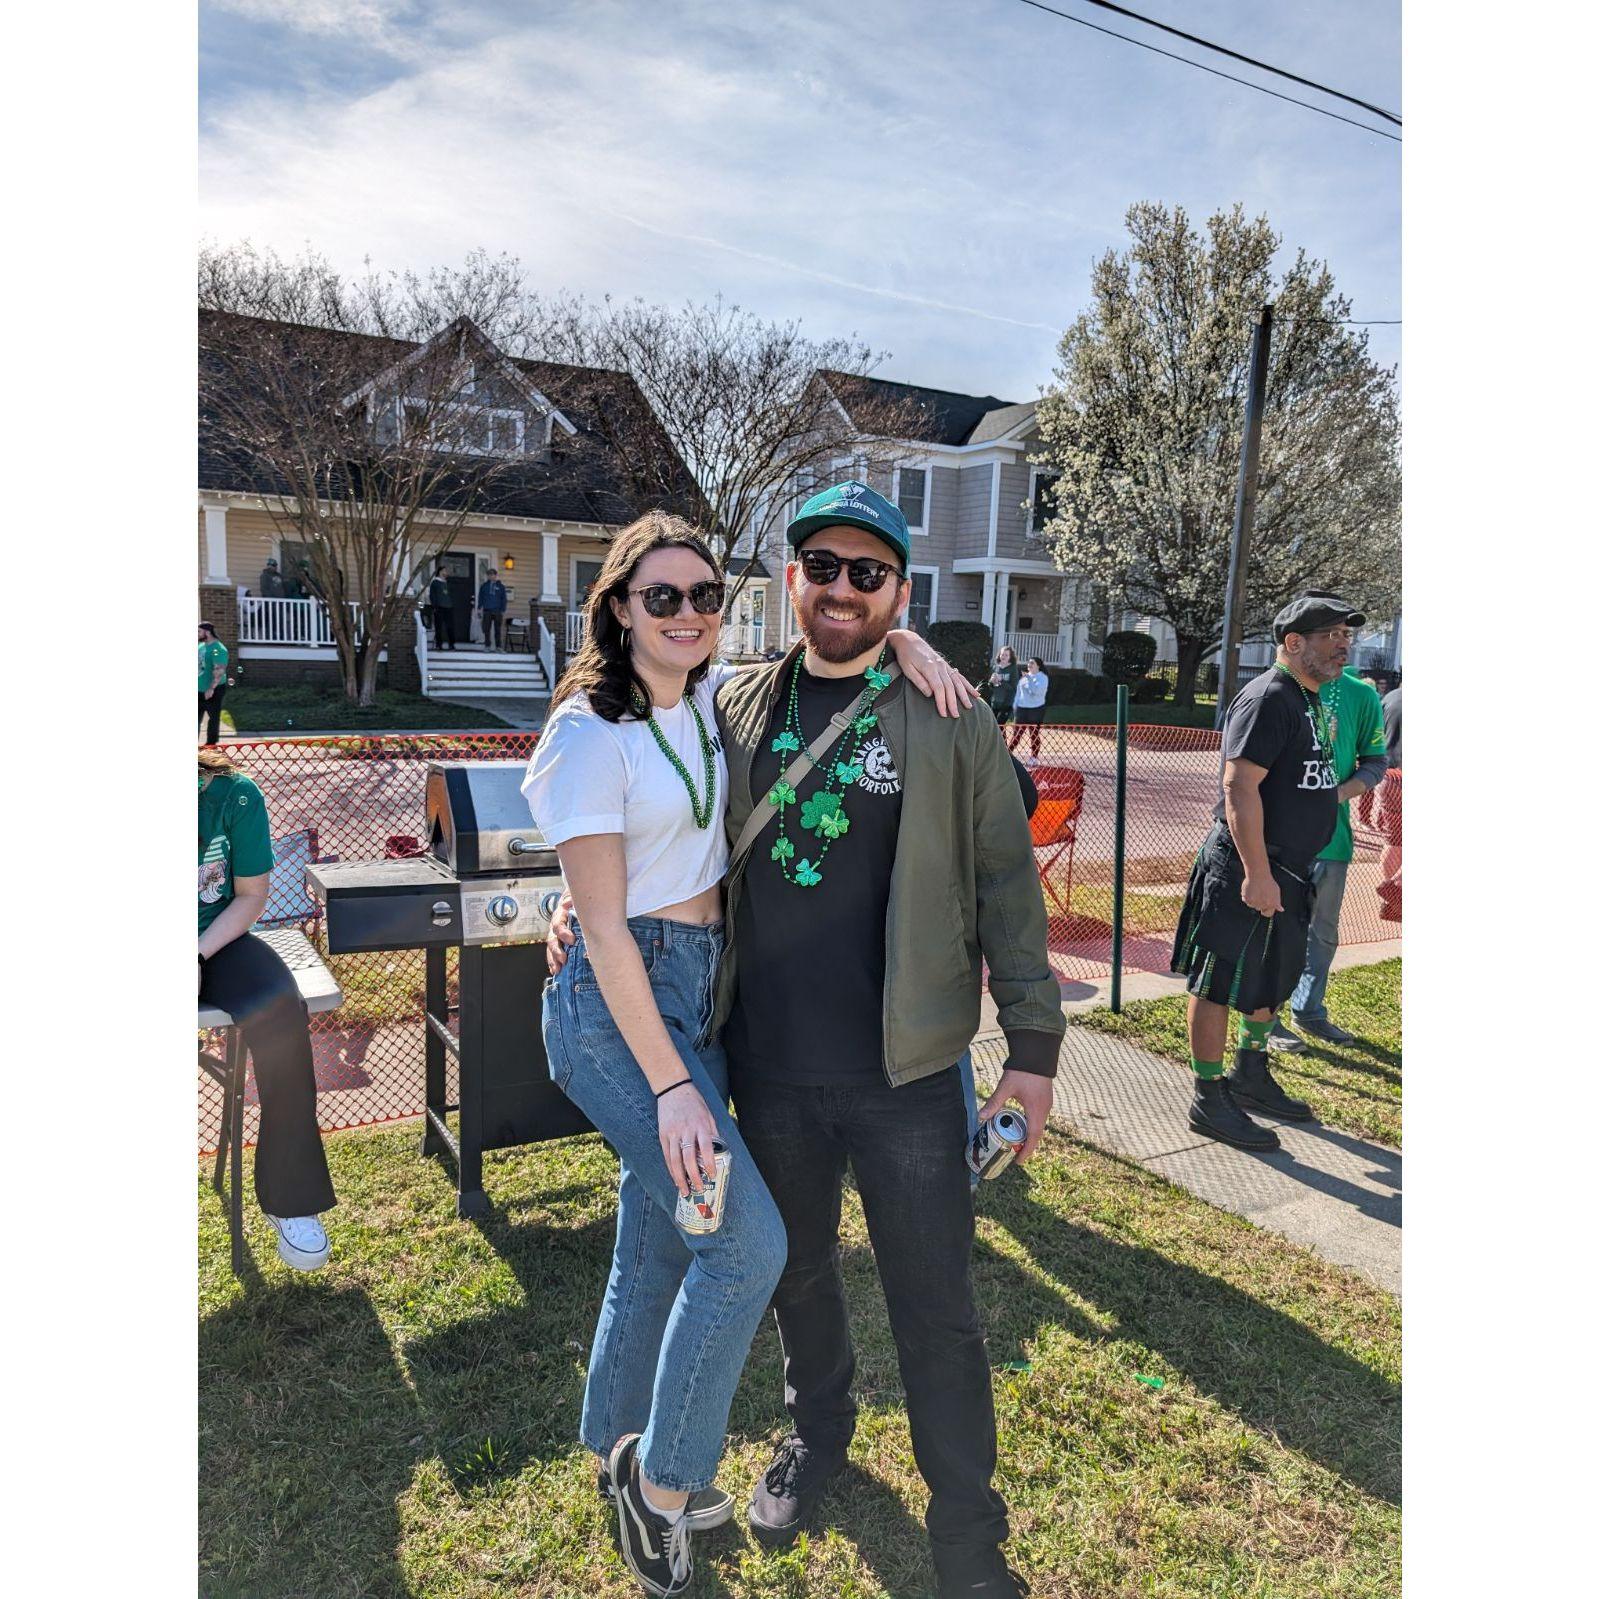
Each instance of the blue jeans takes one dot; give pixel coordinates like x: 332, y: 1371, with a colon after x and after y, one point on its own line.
x: 680, y: 1309
x: 1310, y: 997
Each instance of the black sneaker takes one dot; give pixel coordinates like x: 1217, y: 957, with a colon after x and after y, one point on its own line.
x: 1253, y: 1085
x: 656, y: 1550
x: 710, y: 1507
x: 1214, y: 1114
x: 985, y: 1576
x: 786, y: 1497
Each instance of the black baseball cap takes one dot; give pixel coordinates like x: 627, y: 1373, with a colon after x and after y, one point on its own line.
x: 1315, y: 608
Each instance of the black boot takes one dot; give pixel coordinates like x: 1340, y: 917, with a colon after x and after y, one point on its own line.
x: 1253, y: 1085
x: 1214, y: 1114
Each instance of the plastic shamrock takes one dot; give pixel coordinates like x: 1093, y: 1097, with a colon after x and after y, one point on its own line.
x: 816, y: 809
x: 806, y: 875
x: 876, y: 679
x: 864, y: 723
x: 848, y: 774
x: 781, y: 794
x: 785, y: 743
x: 783, y: 850
x: 834, y: 826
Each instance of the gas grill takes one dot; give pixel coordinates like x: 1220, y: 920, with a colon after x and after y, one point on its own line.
x: 486, y: 883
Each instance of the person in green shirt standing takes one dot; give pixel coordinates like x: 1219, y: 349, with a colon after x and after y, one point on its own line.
x: 1360, y: 756
x: 245, y: 976
x: 213, y: 680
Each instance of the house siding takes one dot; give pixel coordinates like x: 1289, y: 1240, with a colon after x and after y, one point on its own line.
x: 1014, y: 540
x: 976, y: 489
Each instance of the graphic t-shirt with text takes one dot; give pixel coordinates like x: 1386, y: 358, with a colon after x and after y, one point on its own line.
x: 213, y: 654
x: 235, y: 840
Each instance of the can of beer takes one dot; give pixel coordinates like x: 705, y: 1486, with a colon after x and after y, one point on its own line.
x: 996, y: 1142
x: 700, y: 1210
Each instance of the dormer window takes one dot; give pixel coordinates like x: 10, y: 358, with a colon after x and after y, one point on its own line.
x: 498, y: 431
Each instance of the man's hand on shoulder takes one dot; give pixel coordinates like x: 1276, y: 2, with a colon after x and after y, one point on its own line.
x: 1033, y: 1093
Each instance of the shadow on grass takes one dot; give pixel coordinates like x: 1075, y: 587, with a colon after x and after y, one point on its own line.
x: 1263, y: 1365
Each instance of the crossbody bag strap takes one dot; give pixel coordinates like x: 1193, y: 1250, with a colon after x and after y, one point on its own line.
x: 761, y: 812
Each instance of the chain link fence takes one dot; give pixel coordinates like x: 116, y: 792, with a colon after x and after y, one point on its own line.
x: 360, y: 798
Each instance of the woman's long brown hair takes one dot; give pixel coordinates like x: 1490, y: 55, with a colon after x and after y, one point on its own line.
x: 603, y: 666
x: 213, y: 763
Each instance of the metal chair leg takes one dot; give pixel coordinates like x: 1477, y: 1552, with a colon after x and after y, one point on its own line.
x: 236, y: 1105
x: 226, y: 1119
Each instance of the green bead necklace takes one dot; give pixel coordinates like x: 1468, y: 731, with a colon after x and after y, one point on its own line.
x: 702, y: 813
x: 823, y: 813
x: 1318, y: 718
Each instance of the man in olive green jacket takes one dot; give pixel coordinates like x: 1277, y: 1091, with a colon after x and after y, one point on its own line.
x: 859, y: 924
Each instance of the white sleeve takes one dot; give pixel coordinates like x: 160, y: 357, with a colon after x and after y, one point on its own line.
x: 576, y: 782
x: 717, y: 674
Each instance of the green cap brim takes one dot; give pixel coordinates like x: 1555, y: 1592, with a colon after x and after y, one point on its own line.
x: 803, y: 527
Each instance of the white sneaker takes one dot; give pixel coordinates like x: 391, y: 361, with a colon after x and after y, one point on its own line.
x: 302, y: 1241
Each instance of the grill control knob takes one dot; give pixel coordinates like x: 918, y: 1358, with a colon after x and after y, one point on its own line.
x: 441, y: 913
x: 549, y: 904
x: 502, y: 909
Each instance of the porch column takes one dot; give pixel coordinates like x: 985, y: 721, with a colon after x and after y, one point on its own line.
x: 550, y: 573
x: 987, y: 612
x: 216, y: 544
x: 1001, y: 603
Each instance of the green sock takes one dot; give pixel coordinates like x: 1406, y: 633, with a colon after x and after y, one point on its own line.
x: 1205, y: 1068
x: 1253, y: 1035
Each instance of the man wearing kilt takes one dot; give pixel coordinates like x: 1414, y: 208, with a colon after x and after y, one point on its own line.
x: 1242, y: 936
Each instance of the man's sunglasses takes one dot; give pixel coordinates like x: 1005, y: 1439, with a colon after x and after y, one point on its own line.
x: 662, y: 600
x: 821, y: 568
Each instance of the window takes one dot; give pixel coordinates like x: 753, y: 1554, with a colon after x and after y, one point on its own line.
x: 910, y: 494
x: 1043, y: 498
x: 923, y: 610
x: 478, y: 432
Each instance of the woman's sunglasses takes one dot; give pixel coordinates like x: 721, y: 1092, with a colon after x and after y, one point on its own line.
x: 821, y: 568
x: 662, y: 600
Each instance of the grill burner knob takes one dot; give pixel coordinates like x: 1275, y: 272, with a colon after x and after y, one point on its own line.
x: 502, y: 909
x: 441, y: 913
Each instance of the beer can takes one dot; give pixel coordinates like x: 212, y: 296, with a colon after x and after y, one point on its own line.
x: 996, y: 1142
x: 700, y: 1210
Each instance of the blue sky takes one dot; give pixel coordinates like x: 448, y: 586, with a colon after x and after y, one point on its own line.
x: 935, y: 177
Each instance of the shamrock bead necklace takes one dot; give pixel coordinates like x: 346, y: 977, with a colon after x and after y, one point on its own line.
x: 1318, y: 718
x: 702, y: 813
x: 823, y: 813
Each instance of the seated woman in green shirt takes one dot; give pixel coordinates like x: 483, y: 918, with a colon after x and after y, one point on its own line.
x: 241, y: 974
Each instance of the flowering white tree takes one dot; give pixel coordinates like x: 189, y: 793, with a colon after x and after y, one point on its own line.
x: 1144, y: 428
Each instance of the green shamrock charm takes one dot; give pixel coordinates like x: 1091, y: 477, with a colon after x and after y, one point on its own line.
x: 865, y: 723
x: 835, y: 826
x: 806, y: 875
x: 781, y: 794
x: 876, y: 679
x: 848, y: 774
x: 783, y: 850
x: 784, y: 743
x: 816, y: 809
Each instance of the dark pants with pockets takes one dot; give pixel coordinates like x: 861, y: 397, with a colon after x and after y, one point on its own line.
x: 491, y: 628
x: 906, y: 1147
x: 211, y: 713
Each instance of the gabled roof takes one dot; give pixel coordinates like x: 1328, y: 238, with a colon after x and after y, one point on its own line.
x: 577, y: 481
x: 951, y: 418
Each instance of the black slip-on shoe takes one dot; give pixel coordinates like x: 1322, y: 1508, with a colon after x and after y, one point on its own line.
x: 710, y: 1507
x: 1325, y: 1032
x: 1282, y: 1040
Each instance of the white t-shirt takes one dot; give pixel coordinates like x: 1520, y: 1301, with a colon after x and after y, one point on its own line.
x: 588, y: 775
x: 1032, y: 688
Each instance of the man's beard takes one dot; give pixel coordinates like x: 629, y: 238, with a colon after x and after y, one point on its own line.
x: 839, y: 642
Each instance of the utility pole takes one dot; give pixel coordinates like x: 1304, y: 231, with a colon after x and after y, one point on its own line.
x: 1232, y: 627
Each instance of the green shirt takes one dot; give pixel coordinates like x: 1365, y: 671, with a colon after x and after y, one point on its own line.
x: 1357, y: 733
x: 212, y: 655
x: 235, y: 841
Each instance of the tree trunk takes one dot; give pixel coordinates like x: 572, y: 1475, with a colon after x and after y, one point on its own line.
x: 1190, y: 652
x: 367, y: 673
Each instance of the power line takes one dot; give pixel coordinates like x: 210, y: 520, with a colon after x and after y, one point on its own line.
x: 1215, y: 72
x: 1265, y: 66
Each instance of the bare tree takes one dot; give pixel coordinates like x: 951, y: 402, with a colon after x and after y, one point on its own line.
x: 1145, y: 425
x: 370, y: 416
x: 750, y: 408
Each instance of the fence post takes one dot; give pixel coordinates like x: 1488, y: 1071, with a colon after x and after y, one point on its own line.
x: 1119, y: 889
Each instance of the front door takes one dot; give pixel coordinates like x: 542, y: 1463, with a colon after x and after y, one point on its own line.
x: 458, y: 566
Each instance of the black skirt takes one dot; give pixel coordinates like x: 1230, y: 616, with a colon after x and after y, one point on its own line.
x: 1230, y: 954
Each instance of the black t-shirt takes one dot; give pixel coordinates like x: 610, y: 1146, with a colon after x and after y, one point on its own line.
x: 1272, y: 724
x: 811, y: 960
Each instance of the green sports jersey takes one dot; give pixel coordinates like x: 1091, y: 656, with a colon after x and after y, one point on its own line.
x: 1357, y: 733
x: 212, y: 655
x: 235, y: 840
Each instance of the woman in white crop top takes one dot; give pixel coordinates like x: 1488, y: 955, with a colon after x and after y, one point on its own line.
x: 629, y: 782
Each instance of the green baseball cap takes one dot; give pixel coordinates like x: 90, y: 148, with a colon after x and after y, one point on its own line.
x: 855, y: 505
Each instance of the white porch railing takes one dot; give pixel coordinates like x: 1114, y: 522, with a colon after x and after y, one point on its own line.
x: 546, y: 652
x: 576, y: 627
x: 421, y: 651
x: 742, y: 638
x: 269, y: 621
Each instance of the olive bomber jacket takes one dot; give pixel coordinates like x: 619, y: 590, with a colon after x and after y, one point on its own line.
x: 965, y: 886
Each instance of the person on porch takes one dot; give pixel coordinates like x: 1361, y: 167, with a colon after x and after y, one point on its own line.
x: 491, y: 598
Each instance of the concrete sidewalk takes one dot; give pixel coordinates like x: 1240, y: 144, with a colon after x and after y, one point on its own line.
x: 1333, y: 1193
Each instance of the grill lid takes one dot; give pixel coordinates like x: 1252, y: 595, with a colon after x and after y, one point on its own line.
x: 479, y: 822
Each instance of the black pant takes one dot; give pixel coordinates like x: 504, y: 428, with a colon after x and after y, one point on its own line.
x: 248, y: 980
x: 1029, y: 717
x: 491, y: 627
x: 906, y: 1147
x: 443, y: 626
x: 211, y: 712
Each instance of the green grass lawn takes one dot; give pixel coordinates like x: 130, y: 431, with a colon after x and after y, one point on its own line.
x: 1356, y: 1086
x: 404, y: 1422
x: 313, y: 710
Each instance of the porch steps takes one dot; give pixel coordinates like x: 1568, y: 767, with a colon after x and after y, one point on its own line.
x: 479, y: 673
